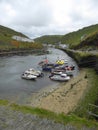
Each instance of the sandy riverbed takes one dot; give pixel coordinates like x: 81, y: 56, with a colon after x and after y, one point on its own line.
x: 63, y: 97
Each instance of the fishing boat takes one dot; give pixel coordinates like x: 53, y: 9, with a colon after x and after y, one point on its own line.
x: 28, y: 76
x: 48, y: 67
x: 69, y: 70
x: 61, y: 61
x: 32, y: 71
x: 43, y: 62
x: 62, y: 77
x: 72, y: 67
x: 58, y: 71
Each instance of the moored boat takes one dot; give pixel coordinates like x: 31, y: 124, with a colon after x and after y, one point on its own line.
x: 60, y: 62
x: 58, y: 72
x: 69, y: 72
x: 48, y: 67
x: 28, y: 76
x: 62, y: 77
x: 34, y: 72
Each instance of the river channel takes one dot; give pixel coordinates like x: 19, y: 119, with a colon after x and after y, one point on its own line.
x: 13, y: 87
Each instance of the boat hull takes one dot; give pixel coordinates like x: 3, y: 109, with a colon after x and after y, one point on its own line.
x: 61, y: 78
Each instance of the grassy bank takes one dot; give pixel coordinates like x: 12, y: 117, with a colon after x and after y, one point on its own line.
x: 59, y: 118
x: 84, y: 59
x: 90, y: 96
x: 90, y: 62
x: 9, y: 44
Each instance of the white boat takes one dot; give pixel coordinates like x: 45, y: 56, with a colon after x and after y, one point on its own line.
x: 69, y: 72
x: 62, y: 77
x: 28, y: 76
x: 32, y: 71
x: 72, y: 67
x: 58, y: 72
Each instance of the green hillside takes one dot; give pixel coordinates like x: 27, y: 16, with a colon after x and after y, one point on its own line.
x: 7, y: 43
x: 9, y: 32
x: 89, y: 43
x: 83, y: 38
x: 6, y: 38
x: 6, y: 35
x: 49, y: 39
x: 72, y: 38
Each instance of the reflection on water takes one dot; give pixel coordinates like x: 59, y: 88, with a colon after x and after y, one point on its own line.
x: 12, y: 87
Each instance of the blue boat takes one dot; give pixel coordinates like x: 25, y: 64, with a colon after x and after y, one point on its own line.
x: 49, y: 66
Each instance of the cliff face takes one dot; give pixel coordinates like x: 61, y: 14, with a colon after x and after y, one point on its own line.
x: 84, y: 59
x: 96, y: 65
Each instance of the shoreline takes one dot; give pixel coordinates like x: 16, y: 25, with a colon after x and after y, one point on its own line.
x: 42, y: 93
x: 22, y: 52
x: 62, y: 98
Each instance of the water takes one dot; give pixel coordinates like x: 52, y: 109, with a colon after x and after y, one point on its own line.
x: 13, y: 88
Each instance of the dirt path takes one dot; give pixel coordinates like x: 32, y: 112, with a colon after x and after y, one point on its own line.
x: 62, y: 98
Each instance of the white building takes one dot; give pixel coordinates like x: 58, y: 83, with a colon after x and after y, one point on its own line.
x: 23, y: 39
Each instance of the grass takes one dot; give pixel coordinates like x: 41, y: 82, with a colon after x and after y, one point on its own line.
x: 91, y: 95
x: 59, y: 118
x: 89, y: 43
x: 49, y: 39
x: 4, y: 102
x: 83, y: 57
x: 8, y: 44
x: 73, y: 39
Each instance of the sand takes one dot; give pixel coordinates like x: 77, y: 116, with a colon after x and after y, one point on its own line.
x: 62, y: 98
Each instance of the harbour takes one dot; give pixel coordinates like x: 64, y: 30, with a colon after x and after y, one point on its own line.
x: 13, y: 88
